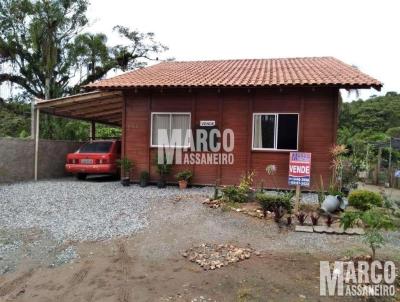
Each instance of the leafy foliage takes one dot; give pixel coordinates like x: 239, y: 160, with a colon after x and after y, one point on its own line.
x: 46, y: 55
x: 374, y: 239
x: 234, y: 194
x: 15, y: 121
x: 163, y: 167
x: 314, y: 218
x: 126, y: 165
x: 365, y: 200
x: 241, y: 192
x: 374, y: 220
x: 246, y: 182
x: 144, y: 178
x: 275, y: 203
x: 144, y: 175
x: 184, y: 175
x: 362, y: 122
x: 370, y: 119
x: 301, y: 217
x: 36, y: 39
x: 42, y: 42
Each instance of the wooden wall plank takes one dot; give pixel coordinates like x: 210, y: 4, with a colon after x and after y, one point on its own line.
x: 233, y: 108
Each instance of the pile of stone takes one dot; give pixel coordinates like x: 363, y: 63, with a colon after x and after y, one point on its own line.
x: 213, y: 256
x: 212, y: 203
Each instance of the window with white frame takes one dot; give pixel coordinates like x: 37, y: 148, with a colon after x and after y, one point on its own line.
x: 275, y: 131
x: 169, y: 122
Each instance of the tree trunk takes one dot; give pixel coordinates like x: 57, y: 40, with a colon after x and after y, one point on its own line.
x: 47, y: 89
x: 373, y: 252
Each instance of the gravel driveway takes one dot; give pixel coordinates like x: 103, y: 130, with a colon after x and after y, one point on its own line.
x: 45, y: 221
x: 80, y: 210
x: 41, y: 219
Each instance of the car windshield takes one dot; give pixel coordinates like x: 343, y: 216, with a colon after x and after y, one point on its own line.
x: 96, y: 147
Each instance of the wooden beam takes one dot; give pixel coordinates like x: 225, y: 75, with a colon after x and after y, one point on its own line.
x: 87, y: 105
x: 103, y: 113
x: 79, y: 98
x: 97, y: 120
x: 96, y: 110
x: 115, y: 118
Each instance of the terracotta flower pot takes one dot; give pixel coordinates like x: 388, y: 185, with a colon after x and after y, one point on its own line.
x: 182, y: 184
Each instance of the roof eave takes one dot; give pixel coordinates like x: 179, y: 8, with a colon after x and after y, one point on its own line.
x: 377, y: 87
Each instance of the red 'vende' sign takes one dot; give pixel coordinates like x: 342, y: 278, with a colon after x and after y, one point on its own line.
x: 300, y: 169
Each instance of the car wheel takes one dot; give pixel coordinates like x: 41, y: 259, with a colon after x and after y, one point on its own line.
x: 81, y: 176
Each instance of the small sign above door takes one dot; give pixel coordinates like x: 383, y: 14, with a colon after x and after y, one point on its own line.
x: 207, y: 123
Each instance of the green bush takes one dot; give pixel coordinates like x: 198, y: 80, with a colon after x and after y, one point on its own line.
x: 184, y: 175
x: 272, y: 203
x: 126, y: 165
x: 246, y: 182
x: 364, y: 200
x: 144, y: 176
x: 234, y: 194
x: 374, y: 220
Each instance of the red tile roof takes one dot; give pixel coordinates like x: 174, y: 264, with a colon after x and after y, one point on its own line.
x: 315, y: 71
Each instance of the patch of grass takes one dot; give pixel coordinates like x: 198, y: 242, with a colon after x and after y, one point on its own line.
x: 232, y: 204
x: 225, y: 208
x: 355, y: 251
x: 244, y: 295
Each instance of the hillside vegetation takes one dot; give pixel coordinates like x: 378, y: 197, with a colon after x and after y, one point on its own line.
x: 15, y: 121
x: 375, y: 119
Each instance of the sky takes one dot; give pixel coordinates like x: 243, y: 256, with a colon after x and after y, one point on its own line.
x: 364, y: 33
x: 361, y: 33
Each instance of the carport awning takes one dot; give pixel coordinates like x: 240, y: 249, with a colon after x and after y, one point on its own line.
x: 98, y: 106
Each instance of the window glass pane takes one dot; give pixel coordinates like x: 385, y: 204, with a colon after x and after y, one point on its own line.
x: 160, y: 121
x: 181, y: 122
x: 287, y: 131
x: 96, y: 147
x: 268, y: 129
x: 264, y: 127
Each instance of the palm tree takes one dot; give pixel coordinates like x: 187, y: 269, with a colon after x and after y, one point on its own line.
x: 91, y: 51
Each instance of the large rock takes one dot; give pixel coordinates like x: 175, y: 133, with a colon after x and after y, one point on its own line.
x: 304, y: 228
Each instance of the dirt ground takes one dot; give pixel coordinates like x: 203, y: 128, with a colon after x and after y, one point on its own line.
x: 148, y: 265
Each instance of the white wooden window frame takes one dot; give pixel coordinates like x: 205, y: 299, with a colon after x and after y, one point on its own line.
x: 170, y: 126
x: 276, y: 126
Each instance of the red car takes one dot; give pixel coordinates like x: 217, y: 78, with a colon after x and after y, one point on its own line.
x: 97, y: 157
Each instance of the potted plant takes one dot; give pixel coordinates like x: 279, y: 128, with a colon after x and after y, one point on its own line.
x: 144, y: 179
x: 163, y: 169
x: 126, y: 166
x: 183, y: 178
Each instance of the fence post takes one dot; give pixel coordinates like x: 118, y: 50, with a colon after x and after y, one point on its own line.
x: 36, y: 116
x: 378, y: 166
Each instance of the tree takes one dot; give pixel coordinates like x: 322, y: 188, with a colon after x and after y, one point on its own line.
x: 35, y: 40
x: 42, y: 43
x: 375, y: 220
x: 90, y: 51
x: 139, y: 46
x: 48, y: 55
x: 393, y: 132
